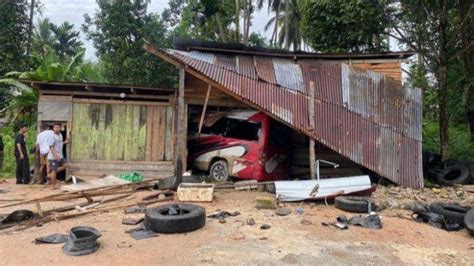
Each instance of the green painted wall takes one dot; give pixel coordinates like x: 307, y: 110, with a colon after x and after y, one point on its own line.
x: 114, y: 132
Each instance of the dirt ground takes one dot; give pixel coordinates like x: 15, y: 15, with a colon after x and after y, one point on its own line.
x: 288, y: 241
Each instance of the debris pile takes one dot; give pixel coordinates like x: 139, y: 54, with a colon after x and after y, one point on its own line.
x: 394, y: 197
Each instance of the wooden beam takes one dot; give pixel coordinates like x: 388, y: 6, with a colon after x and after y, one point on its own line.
x: 312, y: 153
x: 180, y: 141
x: 105, y: 94
x: 201, y: 121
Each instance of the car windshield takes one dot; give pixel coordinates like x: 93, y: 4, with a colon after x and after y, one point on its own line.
x: 234, y: 128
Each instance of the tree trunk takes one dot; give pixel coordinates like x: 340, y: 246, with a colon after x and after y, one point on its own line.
x: 237, y: 20
x: 275, y: 30
x: 467, y: 58
x: 442, y: 73
x: 248, y: 15
x: 287, y: 24
x: 221, y: 28
x: 30, y: 27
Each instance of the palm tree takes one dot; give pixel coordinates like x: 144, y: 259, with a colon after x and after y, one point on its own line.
x: 288, y: 22
x: 43, y: 36
x: 273, y: 5
x: 67, y: 42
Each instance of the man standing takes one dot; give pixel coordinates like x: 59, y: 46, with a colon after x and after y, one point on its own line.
x: 42, y: 150
x: 21, y: 156
x: 57, y: 163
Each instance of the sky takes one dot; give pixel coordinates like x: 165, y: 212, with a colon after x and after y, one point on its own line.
x: 73, y: 11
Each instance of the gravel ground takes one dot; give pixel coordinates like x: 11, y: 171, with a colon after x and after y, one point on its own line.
x: 288, y: 241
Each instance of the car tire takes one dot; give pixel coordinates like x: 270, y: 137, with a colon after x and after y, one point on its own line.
x: 158, y: 220
x: 354, y: 204
x: 219, y: 171
x: 452, y: 213
x: 469, y: 221
x: 456, y: 174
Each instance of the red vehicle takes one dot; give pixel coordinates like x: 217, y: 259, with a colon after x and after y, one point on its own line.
x: 241, y: 144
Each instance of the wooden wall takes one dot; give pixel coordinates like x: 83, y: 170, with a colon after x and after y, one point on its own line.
x: 391, y: 69
x: 120, y: 132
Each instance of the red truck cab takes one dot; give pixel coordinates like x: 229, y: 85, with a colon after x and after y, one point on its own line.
x: 241, y: 144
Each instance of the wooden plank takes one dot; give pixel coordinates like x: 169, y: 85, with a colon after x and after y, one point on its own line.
x: 155, y: 141
x: 101, y: 136
x: 142, y: 133
x: 201, y: 121
x: 169, y: 134
x: 160, y: 135
x: 135, y: 137
x: 312, y: 153
x: 181, y: 141
x: 117, y: 102
x: 149, y: 132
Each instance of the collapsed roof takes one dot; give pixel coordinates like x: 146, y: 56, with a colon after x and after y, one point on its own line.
x: 366, y: 116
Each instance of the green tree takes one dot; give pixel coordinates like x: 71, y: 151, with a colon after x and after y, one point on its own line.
x: 288, y: 22
x: 66, y: 43
x: 43, y: 36
x: 13, y: 35
x: 437, y: 31
x: 118, y: 30
x: 344, y: 26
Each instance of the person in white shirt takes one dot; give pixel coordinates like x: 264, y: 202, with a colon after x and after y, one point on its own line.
x: 42, y: 150
x: 57, y: 163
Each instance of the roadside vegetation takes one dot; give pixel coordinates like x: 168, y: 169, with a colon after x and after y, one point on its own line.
x: 439, y: 31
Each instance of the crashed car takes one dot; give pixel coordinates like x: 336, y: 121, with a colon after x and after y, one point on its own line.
x: 240, y: 144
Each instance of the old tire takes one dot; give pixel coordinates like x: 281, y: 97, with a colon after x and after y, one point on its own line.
x: 456, y: 174
x: 354, y: 204
x: 452, y: 213
x: 219, y: 171
x: 469, y: 221
x: 158, y: 220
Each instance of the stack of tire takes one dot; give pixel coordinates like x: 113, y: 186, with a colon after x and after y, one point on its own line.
x: 447, y: 173
x: 454, y: 213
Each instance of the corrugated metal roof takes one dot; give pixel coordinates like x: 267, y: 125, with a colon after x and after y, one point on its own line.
x: 365, y: 116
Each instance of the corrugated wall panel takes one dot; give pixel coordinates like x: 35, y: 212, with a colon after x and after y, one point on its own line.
x: 364, y: 116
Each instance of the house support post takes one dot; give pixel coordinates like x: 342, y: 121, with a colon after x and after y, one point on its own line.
x: 204, y: 108
x: 312, y: 152
x: 180, y: 140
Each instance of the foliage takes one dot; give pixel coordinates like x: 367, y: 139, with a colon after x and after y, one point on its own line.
x: 8, y: 134
x: 461, y: 147
x: 62, y: 38
x: 439, y: 32
x: 50, y: 68
x: 256, y: 39
x: 118, y: 30
x: 344, y: 26
x: 13, y: 35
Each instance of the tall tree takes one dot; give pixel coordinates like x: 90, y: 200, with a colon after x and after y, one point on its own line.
x: 289, y: 23
x: 13, y: 35
x: 43, y: 36
x: 344, y: 26
x: 67, y: 42
x: 435, y: 29
x: 118, y: 30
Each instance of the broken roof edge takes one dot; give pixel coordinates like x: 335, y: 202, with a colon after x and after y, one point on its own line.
x: 237, y: 48
x: 84, y: 84
x: 165, y: 55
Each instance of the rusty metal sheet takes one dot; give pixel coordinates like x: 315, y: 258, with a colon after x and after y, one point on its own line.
x: 264, y: 67
x: 288, y: 74
x: 246, y: 66
x: 363, y: 115
x: 227, y: 62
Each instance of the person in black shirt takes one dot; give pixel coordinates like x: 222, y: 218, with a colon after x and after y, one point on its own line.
x: 21, y: 156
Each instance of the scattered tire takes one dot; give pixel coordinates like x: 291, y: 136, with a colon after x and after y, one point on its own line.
x: 219, y: 171
x: 456, y: 174
x: 452, y: 213
x: 469, y: 221
x: 175, y: 218
x: 354, y: 204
